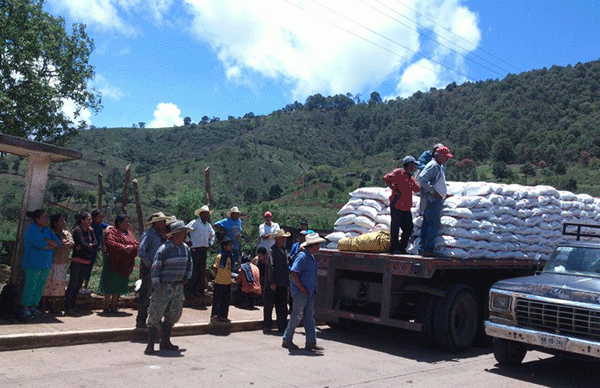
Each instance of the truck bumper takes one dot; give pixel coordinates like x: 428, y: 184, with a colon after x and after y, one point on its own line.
x: 543, y: 340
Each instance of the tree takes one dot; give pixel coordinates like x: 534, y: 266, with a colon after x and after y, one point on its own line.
x: 275, y: 191
x: 204, y: 119
x: 503, y: 150
x: 375, y: 99
x: 501, y: 171
x: 142, y: 124
x: 250, y: 195
x: 187, y: 121
x: 187, y: 201
x: 115, y: 179
x: 466, y: 166
x: 61, y: 190
x: 41, y: 67
x: 527, y: 170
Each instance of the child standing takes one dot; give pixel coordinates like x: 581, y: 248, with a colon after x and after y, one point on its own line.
x: 222, y: 285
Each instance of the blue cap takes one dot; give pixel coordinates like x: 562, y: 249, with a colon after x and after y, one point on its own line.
x: 408, y: 159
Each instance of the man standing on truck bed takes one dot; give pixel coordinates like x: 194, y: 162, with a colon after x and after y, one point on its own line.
x: 434, y: 191
x: 403, y: 184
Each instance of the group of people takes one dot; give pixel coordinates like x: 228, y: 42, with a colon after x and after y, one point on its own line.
x: 269, y: 274
x: 173, y: 255
x: 57, y: 262
x: 430, y: 182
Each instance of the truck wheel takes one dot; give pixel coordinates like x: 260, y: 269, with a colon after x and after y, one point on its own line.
x: 508, y: 352
x: 456, y: 319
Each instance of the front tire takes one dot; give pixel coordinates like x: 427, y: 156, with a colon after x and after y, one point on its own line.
x: 506, y: 352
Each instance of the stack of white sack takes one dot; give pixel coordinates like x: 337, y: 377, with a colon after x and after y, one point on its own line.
x: 480, y: 219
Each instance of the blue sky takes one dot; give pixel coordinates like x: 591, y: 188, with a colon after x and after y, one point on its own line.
x: 158, y: 61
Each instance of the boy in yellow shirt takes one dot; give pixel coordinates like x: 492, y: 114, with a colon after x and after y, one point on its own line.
x: 222, y: 285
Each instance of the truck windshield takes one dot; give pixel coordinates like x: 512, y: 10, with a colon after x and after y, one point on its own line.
x: 574, y: 260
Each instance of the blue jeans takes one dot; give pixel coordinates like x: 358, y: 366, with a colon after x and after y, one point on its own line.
x: 304, y: 306
x: 431, y: 224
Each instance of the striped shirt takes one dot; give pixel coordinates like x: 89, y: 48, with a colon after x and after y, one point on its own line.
x: 172, y: 263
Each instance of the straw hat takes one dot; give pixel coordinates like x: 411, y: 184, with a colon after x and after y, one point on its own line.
x: 280, y: 233
x: 157, y: 217
x: 177, y: 226
x: 312, y: 238
x: 234, y: 210
x: 203, y: 209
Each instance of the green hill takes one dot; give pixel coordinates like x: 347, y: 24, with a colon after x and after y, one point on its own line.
x: 537, y: 127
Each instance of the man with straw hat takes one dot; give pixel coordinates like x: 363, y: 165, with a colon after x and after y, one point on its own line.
x: 277, y: 281
x: 201, y: 237
x: 172, y: 266
x: 303, y: 286
x: 150, y: 241
x: 232, y: 226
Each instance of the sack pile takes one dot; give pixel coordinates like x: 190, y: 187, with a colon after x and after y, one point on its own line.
x: 480, y: 220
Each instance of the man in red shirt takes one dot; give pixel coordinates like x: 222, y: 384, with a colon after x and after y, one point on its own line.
x: 403, y: 184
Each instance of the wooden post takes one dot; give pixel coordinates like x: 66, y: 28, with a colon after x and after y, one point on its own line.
x: 100, y: 191
x: 125, y: 187
x: 138, y: 206
x: 36, y: 177
x: 207, y: 184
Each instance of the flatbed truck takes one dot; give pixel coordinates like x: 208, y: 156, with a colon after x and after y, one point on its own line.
x: 444, y: 298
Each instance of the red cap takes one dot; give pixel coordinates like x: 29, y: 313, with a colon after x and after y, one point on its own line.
x: 444, y: 151
x: 268, y: 213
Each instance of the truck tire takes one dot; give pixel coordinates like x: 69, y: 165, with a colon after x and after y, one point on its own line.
x: 456, y: 319
x: 508, y: 352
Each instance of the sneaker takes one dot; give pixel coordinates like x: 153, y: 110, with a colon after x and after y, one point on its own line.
x: 85, y: 291
x: 289, y: 345
x: 224, y: 320
x: 214, y: 319
x: 36, y: 313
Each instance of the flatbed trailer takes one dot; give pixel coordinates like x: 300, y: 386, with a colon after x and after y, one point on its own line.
x: 444, y: 298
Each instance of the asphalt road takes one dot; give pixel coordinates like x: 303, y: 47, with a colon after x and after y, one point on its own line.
x: 364, y: 357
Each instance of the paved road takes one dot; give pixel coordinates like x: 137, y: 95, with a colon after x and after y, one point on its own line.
x: 370, y: 358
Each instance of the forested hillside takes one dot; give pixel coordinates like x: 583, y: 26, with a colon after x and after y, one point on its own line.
x: 538, y: 127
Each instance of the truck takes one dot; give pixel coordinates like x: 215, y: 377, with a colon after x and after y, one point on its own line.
x: 444, y: 298
x: 556, y: 311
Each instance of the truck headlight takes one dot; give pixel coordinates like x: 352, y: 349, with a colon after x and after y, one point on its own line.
x: 500, y: 302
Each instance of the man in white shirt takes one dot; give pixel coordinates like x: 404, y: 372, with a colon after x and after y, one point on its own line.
x: 434, y: 190
x: 265, y: 231
x: 201, y: 237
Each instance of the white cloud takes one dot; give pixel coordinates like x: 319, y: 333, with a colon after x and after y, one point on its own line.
x: 101, y: 13
x: 69, y: 107
x: 113, y: 15
x: 421, y: 75
x: 281, y: 41
x: 108, y: 90
x: 166, y: 115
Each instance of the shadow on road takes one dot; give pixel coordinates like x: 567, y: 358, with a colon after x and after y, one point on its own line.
x: 396, y: 342
x: 555, y: 372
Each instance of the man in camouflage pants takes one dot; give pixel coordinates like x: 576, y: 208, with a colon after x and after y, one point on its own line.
x: 171, y: 268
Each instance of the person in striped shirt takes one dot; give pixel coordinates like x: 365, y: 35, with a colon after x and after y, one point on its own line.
x: 171, y: 268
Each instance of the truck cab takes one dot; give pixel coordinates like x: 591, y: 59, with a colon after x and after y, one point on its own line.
x: 556, y: 311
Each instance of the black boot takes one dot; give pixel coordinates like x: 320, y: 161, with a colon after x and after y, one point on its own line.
x: 152, y: 331
x: 165, y: 339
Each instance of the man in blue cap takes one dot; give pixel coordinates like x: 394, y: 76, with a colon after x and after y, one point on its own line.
x: 403, y: 184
